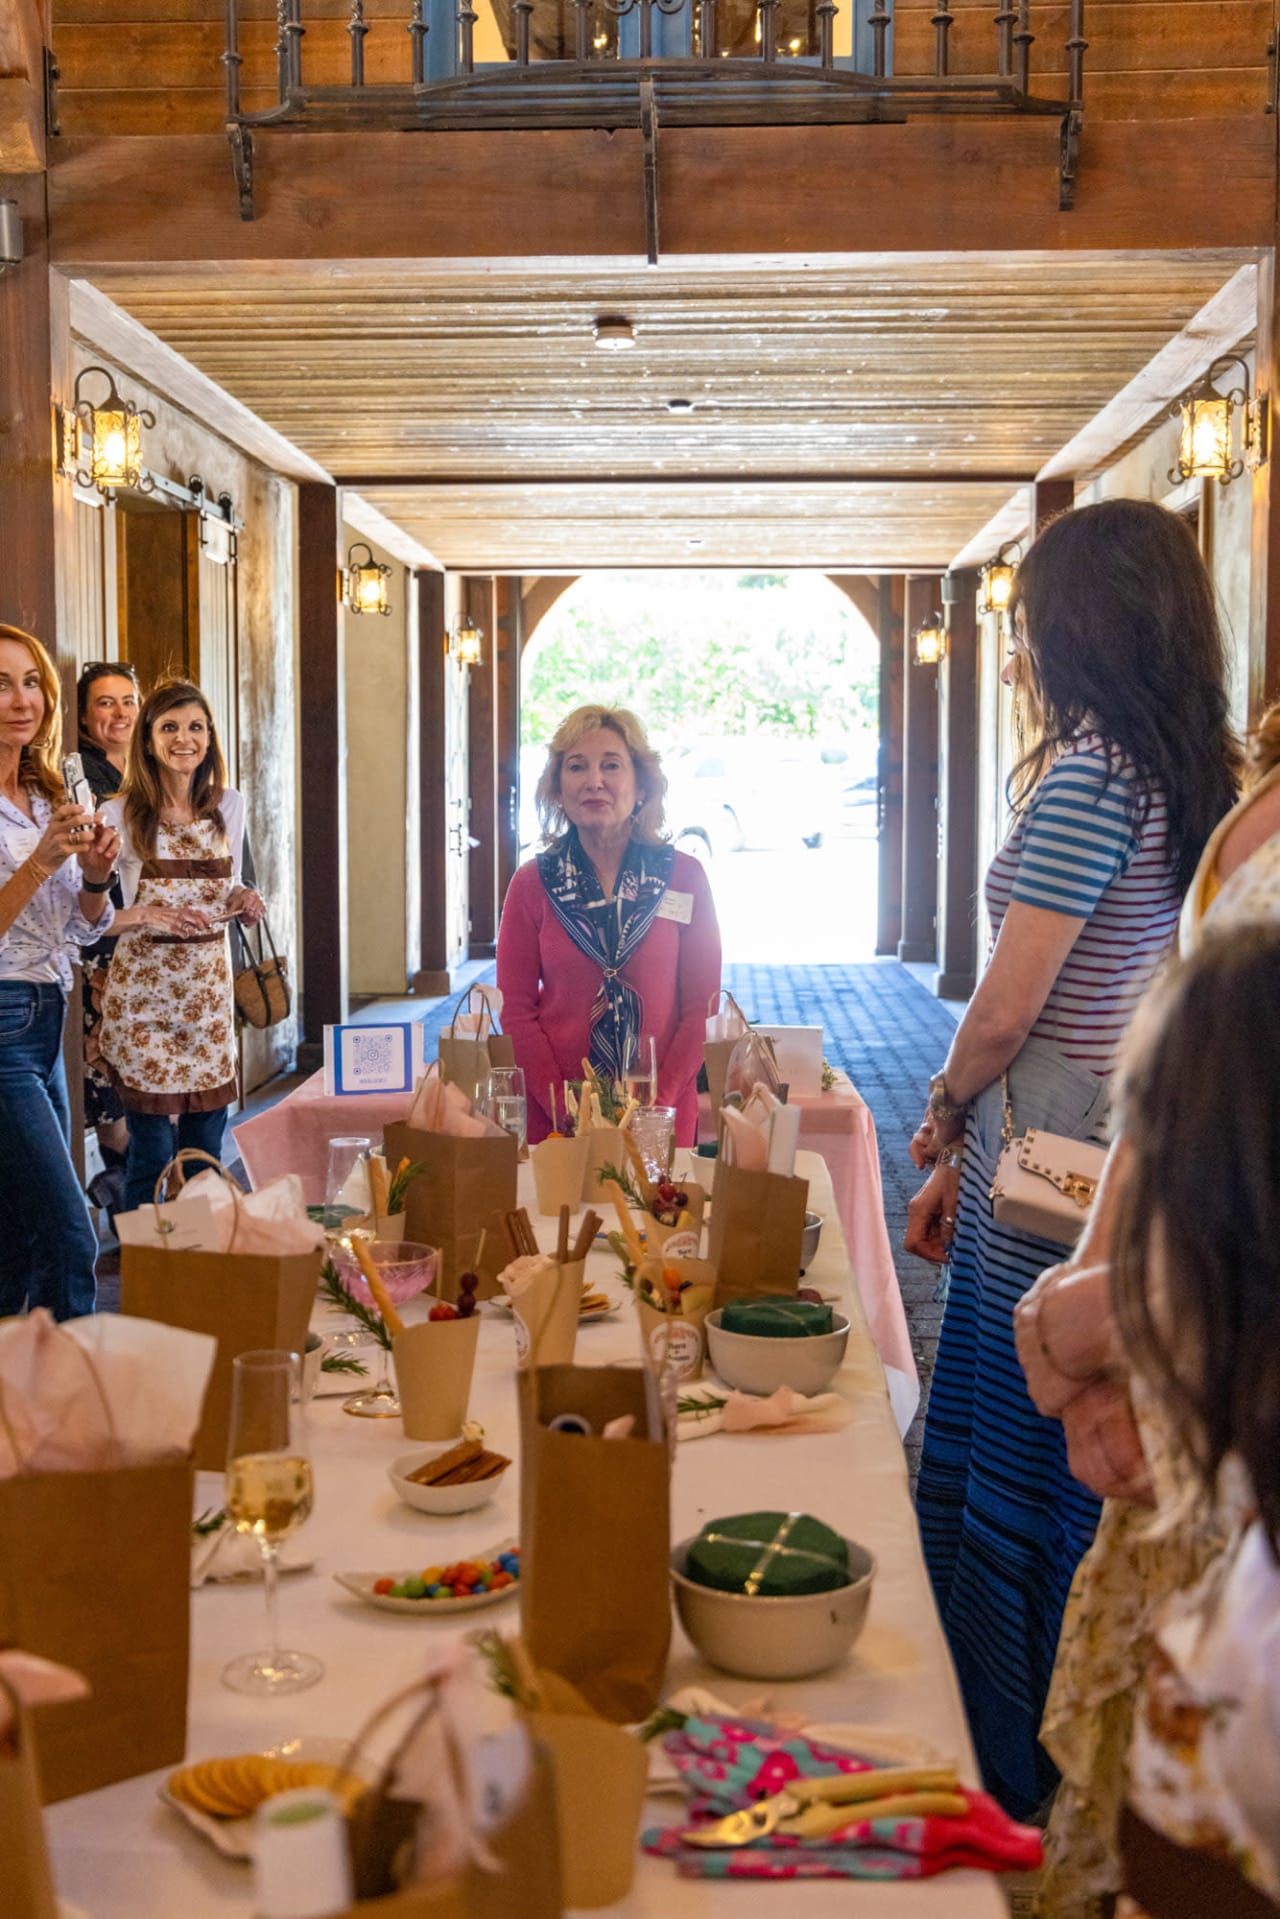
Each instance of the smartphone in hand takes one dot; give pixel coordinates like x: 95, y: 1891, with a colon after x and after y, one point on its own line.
x: 79, y: 791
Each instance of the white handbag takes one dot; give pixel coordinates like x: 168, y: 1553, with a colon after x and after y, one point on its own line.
x: 1044, y: 1183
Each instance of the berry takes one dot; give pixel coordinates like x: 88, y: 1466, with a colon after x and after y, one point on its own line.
x: 443, y: 1311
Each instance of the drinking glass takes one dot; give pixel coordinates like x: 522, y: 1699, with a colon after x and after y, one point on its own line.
x: 269, y: 1492
x: 343, y: 1155
x: 641, y: 1074
x: 504, y: 1100
x: 653, y: 1129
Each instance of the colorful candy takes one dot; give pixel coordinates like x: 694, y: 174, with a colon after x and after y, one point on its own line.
x: 461, y: 1580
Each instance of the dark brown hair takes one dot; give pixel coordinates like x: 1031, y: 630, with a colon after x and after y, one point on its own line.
x: 1196, y: 1252
x: 142, y: 792
x: 100, y: 670
x: 1123, y: 638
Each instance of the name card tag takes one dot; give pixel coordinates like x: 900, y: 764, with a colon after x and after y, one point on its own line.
x: 676, y: 906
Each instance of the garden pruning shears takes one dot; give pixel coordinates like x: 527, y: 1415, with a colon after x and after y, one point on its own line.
x: 812, y: 1808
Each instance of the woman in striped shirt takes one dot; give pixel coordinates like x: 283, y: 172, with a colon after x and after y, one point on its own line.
x: 1118, y: 669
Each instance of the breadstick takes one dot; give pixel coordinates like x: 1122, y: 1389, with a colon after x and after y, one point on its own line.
x: 381, y: 1297
x: 586, y: 1233
x: 631, y: 1107
x: 648, y: 1192
x: 379, y: 1187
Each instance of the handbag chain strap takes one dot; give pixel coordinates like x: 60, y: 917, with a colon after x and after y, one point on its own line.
x: 1007, y: 1134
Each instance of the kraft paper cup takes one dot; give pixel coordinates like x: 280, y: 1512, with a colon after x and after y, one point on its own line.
x: 601, y: 1775
x: 675, y: 1339
x: 604, y: 1148
x: 559, y: 1170
x: 434, y: 1364
x: 546, y: 1320
x: 657, y: 1235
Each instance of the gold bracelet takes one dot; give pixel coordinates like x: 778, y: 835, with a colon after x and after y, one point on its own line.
x: 32, y: 864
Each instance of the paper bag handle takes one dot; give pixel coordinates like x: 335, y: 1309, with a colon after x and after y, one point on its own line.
x: 180, y: 1158
x: 713, y: 1005
x: 98, y: 1387
x: 488, y: 1023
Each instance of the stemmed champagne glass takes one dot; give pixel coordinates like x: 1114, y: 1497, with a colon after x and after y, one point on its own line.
x: 269, y: 1493
x: 641, y: 1075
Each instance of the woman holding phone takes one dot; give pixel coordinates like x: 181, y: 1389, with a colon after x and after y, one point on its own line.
x: 56, y: 861
x: 168, y: 1014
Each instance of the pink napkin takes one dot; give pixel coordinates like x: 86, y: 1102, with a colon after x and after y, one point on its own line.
x: 784, y: 1411
x: 440, y: 1107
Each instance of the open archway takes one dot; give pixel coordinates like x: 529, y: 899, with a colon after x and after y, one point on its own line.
x: 760, y: 690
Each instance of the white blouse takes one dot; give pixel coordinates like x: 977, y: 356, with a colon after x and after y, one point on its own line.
x: 38, y: 947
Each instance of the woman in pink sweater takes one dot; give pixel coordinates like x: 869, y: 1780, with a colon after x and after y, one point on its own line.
x: 609, y: 932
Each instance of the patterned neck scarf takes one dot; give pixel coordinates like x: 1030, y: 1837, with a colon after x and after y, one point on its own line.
x: 608, y: 932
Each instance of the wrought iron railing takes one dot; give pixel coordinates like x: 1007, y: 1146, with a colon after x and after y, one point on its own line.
x: 610, y: 63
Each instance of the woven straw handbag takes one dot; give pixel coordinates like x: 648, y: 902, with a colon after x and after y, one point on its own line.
x: 262, y: 993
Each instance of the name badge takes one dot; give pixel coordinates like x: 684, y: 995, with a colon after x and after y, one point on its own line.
x: 676, y: 906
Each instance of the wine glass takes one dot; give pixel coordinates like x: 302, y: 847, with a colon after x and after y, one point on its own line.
x: 640, y: 1076
x: 344, y: 1152
x: 269, y: 1493
x: 505, y: 1103
x: 406, y: 1269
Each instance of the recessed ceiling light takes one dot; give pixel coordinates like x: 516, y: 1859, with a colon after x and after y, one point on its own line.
x: 680, y: 406
x: 695, y: 542
x: 614, y: 332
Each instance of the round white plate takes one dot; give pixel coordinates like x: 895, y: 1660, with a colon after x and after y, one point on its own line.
x: 362, y: 1585
x: 610, y: 1310
x: 233, y: 1838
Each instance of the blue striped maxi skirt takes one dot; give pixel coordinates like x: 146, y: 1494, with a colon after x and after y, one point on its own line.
x: 1003, y: 1523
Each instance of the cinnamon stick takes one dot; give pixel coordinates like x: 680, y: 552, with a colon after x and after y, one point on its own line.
x: 586, y: 1234
x: 562, y: 1236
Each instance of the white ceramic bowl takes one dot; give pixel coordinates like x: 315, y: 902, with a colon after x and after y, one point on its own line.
x: 774, y: 1638
x: 440, y: 1499
x: 809, y: 1241
x: 757, y: 1365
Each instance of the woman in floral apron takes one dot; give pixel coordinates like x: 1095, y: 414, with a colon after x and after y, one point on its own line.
x: 168, y: 1015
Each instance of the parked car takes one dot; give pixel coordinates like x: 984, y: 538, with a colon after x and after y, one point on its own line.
x: 726, y: 795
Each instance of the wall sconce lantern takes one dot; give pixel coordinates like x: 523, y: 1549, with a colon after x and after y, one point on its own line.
x: 930, y: 642
x: 468, y: 642
x: 1205, y: 443
x: 109, y: 455
x: 997, y: 583
x: 365, y: 582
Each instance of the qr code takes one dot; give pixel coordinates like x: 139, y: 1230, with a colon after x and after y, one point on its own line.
x: 373, y: 1059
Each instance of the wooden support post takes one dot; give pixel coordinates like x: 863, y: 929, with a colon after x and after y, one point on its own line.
x: 322, y: 732
x: 480, y: 601
x: 889, y: 772
x: 1264, y: 568
x: 508, y: 648
x: 919, y: 940
x: 958, y: 793
x: 1049, y: 498
x: 433, y: 823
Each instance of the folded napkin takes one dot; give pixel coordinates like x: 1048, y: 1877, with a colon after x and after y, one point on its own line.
x: 35, y: 1682
x: 764, y: 1135
x: 730, y: 1762
x: 708, y: 1409
x: 441, y: 1107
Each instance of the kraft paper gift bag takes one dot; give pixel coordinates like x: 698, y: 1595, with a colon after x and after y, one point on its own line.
x: 26, y: 1884
x: 725, y: 1027
x: 757, y: 1224
x: 470, y: 1046
x: 95, y: 1573
x: 434, y: 1364
x: 464, y: 1188
x: 248, y: 1301
x: 604, y: 1148
x: 595, y: 1534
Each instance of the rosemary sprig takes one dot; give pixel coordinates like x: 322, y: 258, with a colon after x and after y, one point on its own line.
x: 210, y: 1523
x: 403, y: 1178
x: 609, y: 1171
x: 496, y: 1656
x: 701, y: 1406
x: 664, y: 1719
x: 343, y: 1363
x: 335, y: 1294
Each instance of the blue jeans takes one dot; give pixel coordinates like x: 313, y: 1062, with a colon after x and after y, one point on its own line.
x: 154, y: 1138
x: 48, y: 1248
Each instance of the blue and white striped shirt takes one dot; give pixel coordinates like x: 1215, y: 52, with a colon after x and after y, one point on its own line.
x: 1074, y: 849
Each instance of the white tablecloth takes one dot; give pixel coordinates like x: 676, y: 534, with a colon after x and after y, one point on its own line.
x: 120, y: 1854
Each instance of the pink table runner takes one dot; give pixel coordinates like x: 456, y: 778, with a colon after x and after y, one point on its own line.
x: 293, y: 1136
x: 839, y: 1125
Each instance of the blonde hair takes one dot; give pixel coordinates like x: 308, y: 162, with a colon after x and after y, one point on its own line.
x: 651, y: 781
x: 38, y: 764
x: 142, y: 792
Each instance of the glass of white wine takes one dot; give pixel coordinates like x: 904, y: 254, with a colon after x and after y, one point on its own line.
x: 641, y: 1077
x: 269, y: 1495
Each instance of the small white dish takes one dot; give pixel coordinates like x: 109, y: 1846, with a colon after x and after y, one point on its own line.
x: 361, y: 1586
x: 233, y: 1838
x: 439, y: 1499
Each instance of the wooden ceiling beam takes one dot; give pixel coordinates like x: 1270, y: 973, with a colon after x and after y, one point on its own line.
x: 673, y: 481
x: 927, y: 186
x: 372, y: 524
x: 113, y: 332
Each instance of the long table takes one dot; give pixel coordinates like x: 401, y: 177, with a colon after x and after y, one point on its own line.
x: 120, y: 1854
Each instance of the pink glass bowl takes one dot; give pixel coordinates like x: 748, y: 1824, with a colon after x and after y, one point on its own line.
x: 404, y: 1267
